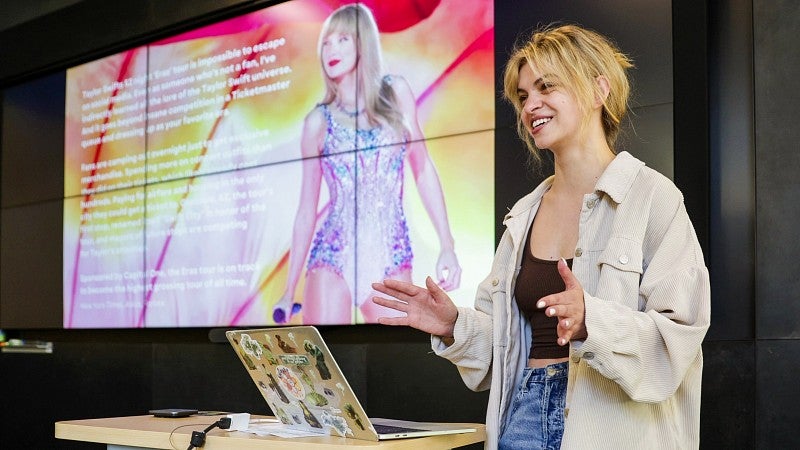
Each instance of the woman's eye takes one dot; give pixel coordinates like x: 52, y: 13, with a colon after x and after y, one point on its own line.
x: 547, y: 87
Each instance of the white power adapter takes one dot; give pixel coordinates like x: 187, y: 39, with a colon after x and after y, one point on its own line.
x: 239, y: 421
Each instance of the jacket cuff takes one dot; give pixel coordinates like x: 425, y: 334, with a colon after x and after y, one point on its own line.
x: 465, y: 346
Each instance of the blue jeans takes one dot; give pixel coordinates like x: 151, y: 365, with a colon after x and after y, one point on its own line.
x: 536, y: 417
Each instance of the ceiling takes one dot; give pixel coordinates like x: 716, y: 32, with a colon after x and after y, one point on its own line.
x: 15, y: 12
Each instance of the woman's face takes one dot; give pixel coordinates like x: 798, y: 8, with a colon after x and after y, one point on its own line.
x: 550, y: 113
x: 339, y: 55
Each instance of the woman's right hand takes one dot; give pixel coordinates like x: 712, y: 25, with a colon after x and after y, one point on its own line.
x: 430, y: 310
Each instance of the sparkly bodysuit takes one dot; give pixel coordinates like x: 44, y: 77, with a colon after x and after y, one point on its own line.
x: 364, y: 237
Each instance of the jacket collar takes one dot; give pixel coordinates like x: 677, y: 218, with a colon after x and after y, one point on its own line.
x: 616, y: 181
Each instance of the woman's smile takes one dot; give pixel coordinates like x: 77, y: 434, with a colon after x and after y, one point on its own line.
x: 538, y: 123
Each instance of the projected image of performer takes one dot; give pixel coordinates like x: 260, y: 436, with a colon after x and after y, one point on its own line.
x: 362, y: 234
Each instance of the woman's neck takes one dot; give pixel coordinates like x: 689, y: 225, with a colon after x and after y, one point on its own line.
x: 577, y: 170
x: 581, y: 161
x: 346, y: 90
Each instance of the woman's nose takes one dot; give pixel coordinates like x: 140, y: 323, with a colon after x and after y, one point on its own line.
x: 532, y: 103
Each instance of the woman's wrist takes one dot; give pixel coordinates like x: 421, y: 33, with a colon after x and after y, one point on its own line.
x: 449, y: 337
x: 448, y: 244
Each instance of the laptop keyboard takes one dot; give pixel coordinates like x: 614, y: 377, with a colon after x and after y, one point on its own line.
x: 390, y: 429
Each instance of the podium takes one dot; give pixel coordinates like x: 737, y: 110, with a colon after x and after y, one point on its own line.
x: 148, y: 432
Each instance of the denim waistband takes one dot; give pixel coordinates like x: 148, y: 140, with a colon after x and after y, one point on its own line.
x: 550, y: 372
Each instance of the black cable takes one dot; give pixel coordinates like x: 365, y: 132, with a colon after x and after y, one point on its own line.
x: 199, y: 437
x: 172, y: 433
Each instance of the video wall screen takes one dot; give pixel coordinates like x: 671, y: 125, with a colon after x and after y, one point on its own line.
x: 268, y: 168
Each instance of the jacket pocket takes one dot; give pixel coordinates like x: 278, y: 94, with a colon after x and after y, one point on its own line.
x: 621, y: 272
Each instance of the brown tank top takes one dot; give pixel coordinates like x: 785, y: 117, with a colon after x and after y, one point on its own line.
x: 539, y: 278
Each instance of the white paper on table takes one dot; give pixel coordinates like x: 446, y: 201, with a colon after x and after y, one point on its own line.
x: 277, y: 429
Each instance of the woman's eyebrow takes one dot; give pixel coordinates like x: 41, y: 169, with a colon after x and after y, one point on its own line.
x: 543, y: 79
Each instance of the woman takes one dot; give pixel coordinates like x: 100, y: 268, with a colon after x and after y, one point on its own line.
x: 588, y: 329
x: 358, y: 139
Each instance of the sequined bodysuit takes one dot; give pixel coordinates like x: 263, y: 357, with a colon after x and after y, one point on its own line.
x: 364, y: 237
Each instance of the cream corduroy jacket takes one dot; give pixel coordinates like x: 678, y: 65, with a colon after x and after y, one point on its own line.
x: 634, y: 383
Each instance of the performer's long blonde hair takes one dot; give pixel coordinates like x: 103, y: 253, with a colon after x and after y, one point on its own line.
x: 381, y: 103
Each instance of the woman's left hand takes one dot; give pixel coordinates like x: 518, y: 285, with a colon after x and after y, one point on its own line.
x: 568, y: 306
x: 448, y: 263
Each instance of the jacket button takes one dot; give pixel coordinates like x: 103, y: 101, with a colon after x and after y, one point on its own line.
x: 576, y: 359
x: 623, y: 259
x: 588, y: 355
x: 590, y: 203
x: 578, y: 252
x: 495, y: 282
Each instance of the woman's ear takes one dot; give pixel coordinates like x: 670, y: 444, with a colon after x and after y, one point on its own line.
x: 603, y: 90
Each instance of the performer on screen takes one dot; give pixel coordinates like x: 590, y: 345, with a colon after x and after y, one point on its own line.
x: 358, y: 139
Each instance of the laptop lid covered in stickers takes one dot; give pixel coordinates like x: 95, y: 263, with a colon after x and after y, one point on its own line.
x: 296, y: 374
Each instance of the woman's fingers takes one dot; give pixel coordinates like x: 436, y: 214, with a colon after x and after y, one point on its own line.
x: 437, y: 292
x: 568, y: 307
x: 397, y: 289
x: 401, y: 321
x: 390, y: 303
x: 564, y: 331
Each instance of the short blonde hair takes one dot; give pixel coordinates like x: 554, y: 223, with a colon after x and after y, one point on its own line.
x: 576, y: 56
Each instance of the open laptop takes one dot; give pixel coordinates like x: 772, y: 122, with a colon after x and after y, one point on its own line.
x: 305, y: 389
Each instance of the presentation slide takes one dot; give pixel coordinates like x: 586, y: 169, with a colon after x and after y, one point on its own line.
x: 268, y: 168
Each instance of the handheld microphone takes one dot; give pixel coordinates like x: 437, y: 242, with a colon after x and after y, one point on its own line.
x: 199, y: 437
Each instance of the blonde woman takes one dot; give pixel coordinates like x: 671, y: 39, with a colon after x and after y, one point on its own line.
x: 588, y: 328
x: 358, y: 140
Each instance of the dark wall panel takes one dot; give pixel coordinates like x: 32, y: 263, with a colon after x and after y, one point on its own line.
x: 30, y: 281
x: 777, y: 65
x: 76, y: 381
x: 727, y: 416
x: 778, y: 396
x: 649, y: 137
x: 733, y: 183
x: 33, y: 155
x: 690, y: 78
